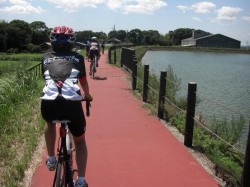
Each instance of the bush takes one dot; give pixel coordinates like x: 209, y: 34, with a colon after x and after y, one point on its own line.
x: 12, y: 51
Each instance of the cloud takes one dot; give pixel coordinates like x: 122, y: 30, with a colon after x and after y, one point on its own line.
x: 116, y: 4
x: 20, y: 7
x: 75, y: 5
x: 136, y: 6
x: 2, y: 1
x: 183, y: 8
x: 196, y: 19
x: 126, y: 6
x: 246, y: 18
x: 227, y: 14
x: 201, y: 7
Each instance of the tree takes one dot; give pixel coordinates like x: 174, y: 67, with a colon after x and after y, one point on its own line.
x: 121, y: 35
x: 165, y: 40
x: 135, y: 36
x: 40, y: 32
x: 180, y: 34
x: 84, y: 36
x: 19, y: 34
x: 101, y: 36
x: 3, y: 35
x: 151, y: 37
x: 112, y: 34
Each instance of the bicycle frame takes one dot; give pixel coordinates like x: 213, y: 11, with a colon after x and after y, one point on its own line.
x: 64, y: 159
x: 93, y: 65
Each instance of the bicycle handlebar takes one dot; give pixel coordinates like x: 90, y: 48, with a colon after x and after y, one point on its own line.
x: 88, y: 105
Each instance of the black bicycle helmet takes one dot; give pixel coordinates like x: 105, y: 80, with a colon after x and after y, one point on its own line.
x: 62, y: 38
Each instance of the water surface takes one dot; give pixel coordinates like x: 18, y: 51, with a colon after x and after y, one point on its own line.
x: 223, y: 80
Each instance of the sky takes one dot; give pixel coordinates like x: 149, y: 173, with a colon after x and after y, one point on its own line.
x: 227, y: 17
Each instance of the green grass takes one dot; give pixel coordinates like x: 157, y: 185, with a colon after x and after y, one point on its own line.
x: 228, y: 162
x: 16, y: 62
x: 21, y: 55
x: 20, y: 121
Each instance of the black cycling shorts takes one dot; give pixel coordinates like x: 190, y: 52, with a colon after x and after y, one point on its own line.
x: 61, y: 109
x: 93, y: 53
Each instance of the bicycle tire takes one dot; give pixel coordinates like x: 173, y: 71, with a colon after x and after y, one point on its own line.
x: 61, y: 174
x: 93, y: 73
x: 93, y: 68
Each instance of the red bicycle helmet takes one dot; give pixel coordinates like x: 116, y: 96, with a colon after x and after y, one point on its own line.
x: 62, y: 38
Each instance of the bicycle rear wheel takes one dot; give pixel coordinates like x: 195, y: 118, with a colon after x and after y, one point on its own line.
x: 61, y: 175
x: 93, y: 67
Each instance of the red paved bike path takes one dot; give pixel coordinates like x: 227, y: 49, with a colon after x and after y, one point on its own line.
x: 126, y: 146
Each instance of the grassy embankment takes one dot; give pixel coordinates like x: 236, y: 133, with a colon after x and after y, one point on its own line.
x: 228, y: 163
x: 20, y: 121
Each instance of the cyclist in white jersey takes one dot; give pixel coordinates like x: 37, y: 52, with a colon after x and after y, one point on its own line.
x: 65, y: 75
x: 94, y: 50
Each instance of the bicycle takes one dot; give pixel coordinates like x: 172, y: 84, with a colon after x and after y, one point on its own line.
x: 64, y: 169
x: 93, y: 65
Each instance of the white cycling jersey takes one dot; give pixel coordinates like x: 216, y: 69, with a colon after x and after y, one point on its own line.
x: 61, y: 73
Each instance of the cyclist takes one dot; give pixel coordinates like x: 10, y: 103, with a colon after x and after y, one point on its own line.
x: 64, y: 74
x: 94, y: 51
x: 88, y: 50
x: 103, y: 47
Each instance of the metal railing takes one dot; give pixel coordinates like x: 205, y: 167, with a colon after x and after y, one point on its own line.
x: 36, y: 70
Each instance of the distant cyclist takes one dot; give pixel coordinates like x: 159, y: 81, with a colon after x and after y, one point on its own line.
x: 64, y: 73
x: 94, y: 51
x: 88, y: 50
x: 103, y: 47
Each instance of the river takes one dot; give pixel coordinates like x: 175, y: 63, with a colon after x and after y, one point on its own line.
x: 223, y: 80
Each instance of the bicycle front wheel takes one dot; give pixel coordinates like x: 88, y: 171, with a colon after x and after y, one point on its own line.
x: 61, y: 175
x: 93, y: 68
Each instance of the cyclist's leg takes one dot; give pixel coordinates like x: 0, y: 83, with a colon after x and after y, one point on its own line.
x: 50, y: 138
x: 91, y: 61
x: 81, y: 154
x: 48, y: 113
x: 97, y: 58
x: 77, y: 128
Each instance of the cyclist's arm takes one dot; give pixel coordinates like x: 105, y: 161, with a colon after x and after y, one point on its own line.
x: 83, y: 83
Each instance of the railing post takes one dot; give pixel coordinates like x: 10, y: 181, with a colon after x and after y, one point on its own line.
x: 162, y: 92
x: 109, y: 55
x: 122, y: 57
x: 134, y: 73
x: 114, y: 56
x: 145, y: 83
x: 191, y: 99
x: 246, y: 168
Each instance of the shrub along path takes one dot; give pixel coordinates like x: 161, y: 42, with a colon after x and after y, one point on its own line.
x: 126, y: 146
